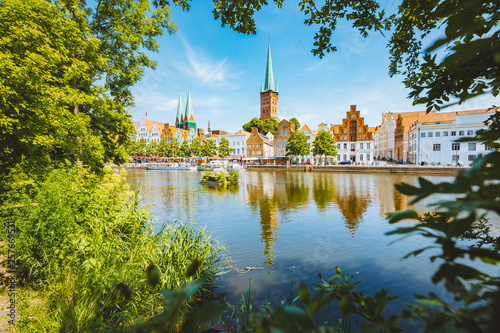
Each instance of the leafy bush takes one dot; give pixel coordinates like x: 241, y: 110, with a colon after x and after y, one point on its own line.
x: 206, y: 176
x: 84, y: 243
x: 234, y: 176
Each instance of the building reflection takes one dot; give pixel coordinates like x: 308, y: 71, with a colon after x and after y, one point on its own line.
x: 262, y: 202
x: 353, y: 196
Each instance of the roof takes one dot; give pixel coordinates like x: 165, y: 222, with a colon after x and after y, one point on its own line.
x: 150, y: 124
x: 269, y: 80
x: 189, y: 108
x: 179, y: 111
x: 213, y: 136
x: 306, y: 128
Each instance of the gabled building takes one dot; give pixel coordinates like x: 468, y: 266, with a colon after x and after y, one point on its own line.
x: 311, y: 136
x: 269, y: 92
x: 258, y: 145
x: 285, y: 129
x: 354, y: 138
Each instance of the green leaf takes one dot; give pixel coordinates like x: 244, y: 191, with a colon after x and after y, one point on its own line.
x: 402, y: 215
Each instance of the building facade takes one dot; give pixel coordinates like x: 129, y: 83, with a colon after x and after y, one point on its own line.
x: 237, y: 142
x: 434, y: 142
x: 259, y: 145
x: 354, y: 138
x: 285, y: 129
x: 269, y: 92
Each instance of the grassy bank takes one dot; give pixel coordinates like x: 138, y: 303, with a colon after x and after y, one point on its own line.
x: 83, y: 245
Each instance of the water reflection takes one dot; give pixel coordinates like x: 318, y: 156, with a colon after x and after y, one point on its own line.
x: 293, y: 224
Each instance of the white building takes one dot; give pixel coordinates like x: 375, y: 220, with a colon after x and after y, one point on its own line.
x: 311, y: 136
x: 434, y: 142
x: 237, y: 142
x: 149, y: 130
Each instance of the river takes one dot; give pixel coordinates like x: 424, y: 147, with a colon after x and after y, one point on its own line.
x: 284, y: 226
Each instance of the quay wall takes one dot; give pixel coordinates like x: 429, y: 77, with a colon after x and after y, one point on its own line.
x: 432, y: 170
x: 437, y: 170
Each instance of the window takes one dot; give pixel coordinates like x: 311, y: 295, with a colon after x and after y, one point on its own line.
x: 286, y: 132
x: 368, y: 145
x: 438, y: 134
x: 338, y: 157
x: 361, y: 145
x: 360, y: 130
x: 368, y: 156
x: 472, y: 146
x: 345, y: 157
x: 282, y: 132
x: 453, y: 133
x: 360, y: 137
x: 455, y: 146
x: 430, y: 134
x: 353, y: 116
x: 454, y: 158
x: 470, y: 132
x: 486, y: 147
x: 461, y: 133
x: 471, y: 157
x: 422, y: 135
x: 361, y: 157
x: 259, y: 152
x: 445, y: 133
x: 353, y: 146
x: 345, y: 145
x: 364, y: 137
x: 345, y: 131
x: 436, y: 147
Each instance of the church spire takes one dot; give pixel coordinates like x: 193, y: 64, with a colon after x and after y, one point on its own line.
x: 189, y: 109
x: 269, y: 81
x: 178, y: 118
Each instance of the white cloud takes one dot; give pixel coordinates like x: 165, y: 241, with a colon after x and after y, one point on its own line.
x: 212, y: 73
x: 169, y: 105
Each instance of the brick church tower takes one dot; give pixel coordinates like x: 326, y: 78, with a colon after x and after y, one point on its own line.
x: 268, y: 92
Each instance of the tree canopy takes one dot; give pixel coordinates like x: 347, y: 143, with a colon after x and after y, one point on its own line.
x: 66, y: 69
x: 296, y: 122
x: 264, y: 126
x: 297, y: 144
x: 224, y: 149
x: 324, y: 144
x: 210, y: 148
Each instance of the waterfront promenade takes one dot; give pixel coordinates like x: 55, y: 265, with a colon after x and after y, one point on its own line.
x: 389, y: 168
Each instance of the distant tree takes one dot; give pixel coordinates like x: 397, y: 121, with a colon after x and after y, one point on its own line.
x: 152, y: 148
x: 297, y: 145
x: 223, y: 148
x: 142, y: 146
x: 196, y: 147
x: 255, y: 122
x: 264, y: 126
x: 269, y: 125
x: 324, y: 144
x: 210, y: 148
x: 184, y: 149
x: 296, y: 122
x: 173, y: 149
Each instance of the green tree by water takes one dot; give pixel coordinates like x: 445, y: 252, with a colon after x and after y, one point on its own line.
x: 297, y: 145
x: 184, y: 149
x: 196, y: 147
x: 223, y: 149
x: 324, y: 144
x: 210, y: 149
x: 62, y: 103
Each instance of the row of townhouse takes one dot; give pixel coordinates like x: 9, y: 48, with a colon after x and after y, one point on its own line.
x: 420, y: 137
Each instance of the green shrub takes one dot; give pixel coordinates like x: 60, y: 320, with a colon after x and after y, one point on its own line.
x: 85, y: 242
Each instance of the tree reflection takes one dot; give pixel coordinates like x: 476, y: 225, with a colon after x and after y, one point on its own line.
x: 323, y: 191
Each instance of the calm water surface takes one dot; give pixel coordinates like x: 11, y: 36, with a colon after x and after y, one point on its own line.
x: 294, y: 225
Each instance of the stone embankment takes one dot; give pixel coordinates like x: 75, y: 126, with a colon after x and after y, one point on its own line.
x: 396, y: 168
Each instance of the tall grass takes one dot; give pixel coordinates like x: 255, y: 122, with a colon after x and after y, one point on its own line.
x: 83, y: 245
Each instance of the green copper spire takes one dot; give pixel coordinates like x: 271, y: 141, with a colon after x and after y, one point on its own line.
x: 269, y: 81
x: 189, y: 108
x: 178, y: 118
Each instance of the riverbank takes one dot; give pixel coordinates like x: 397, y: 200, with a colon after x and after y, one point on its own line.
x: 396, y: 168
x: 389, y: 168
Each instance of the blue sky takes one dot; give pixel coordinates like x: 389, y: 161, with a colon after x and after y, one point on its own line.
x: 224, y: 70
